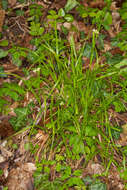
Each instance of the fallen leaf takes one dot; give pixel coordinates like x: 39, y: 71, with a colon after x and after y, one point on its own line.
x: 2, y: 16
x: 29, y: 167
x: 12, y: 2
x: 97, y: 4
x: 124, y: 129
x: 19, y: 179
x: 94, y: 168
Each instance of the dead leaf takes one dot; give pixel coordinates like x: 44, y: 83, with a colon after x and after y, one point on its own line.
x: 113, y: 6
x: 19, y: 179
x: 12, y: 2
x: 5, y: 128
x: 124, y: 129
x: 2, y: 16
x: 94, y: 168
x: 29, y: 167
x: 97, y: 168
x: 6, y: 153
x: 97, y: 4
x: 107, y: 46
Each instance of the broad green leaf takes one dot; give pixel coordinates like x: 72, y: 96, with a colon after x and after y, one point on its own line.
x: 68, y: 18
x: 92, y: 14
x: 84, y: 15
x: 3, y: 53
x: 61, y: 12
x: 108, y: 18
x: 4, y: 43
x: 87, y: 149
x: 70, y: 5
x: 52, y: 12
x: 75, y: 181
x: 98, y: 186
x: 124, y: 15
x: 90, y: 131
x: 123, y: 174
x: 36, y: 29
x: 2, y: 103
x: 77, y: 144
x: 77, y: 173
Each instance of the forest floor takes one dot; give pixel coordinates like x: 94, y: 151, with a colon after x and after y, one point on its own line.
x: 63, y: 95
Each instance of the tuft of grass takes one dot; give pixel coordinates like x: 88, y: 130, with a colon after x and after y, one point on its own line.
x: 73, y: 103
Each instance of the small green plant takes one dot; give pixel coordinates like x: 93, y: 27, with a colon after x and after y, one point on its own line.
x: 101, y: 18
x: 36, y: 29
x: 36, y: 11
x: 3, y: 53
x: 22, y: 119
x: 17, y: 54
x: 72, y: 103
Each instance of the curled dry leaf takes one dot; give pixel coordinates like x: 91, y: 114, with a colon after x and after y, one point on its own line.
x: 113, y: 6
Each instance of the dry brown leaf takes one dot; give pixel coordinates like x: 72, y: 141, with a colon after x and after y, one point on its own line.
x: 19, y: 179
x: 107, y: 46
x: 29, y: 167
x: 116, y: 20
x: 97, y: 4
x: 94, y: 168
x: 12, y: 2
x: 2, y: 16
x: 114, y: 181
x: 124, y: 129
x: 113, y: 6
x: 6, y: 129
